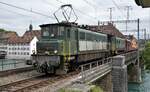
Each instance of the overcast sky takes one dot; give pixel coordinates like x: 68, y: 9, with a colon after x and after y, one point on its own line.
x: 88, y: 12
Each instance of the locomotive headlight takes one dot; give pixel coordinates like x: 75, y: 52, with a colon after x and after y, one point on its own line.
x: 52, y: 35
x: 55, y: 51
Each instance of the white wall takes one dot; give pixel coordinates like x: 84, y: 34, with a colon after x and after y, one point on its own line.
x: 21, y: 50
x: 33, y: 45
x: 18, y: 51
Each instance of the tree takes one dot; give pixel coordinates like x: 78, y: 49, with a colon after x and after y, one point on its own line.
x: 146, y: 56
x: 2, y: 30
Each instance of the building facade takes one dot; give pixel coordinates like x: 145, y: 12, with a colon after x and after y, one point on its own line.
x: 4, y: 36
x: 23, y: 47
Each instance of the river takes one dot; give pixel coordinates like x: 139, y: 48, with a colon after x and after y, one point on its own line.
x: 143, y: 87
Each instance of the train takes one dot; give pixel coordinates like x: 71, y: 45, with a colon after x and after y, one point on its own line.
x: 65, y: 46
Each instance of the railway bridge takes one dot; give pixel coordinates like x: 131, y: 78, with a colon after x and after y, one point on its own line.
x: 113, y: 73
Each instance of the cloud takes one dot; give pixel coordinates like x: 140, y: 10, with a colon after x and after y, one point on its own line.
x: 88, y: 13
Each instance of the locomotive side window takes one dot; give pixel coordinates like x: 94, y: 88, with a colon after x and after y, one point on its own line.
x: 82, y: 36
x: 61, y: 31
x: 88, y: 37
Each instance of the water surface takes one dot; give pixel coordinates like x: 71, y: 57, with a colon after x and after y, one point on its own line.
x: 143, y: 87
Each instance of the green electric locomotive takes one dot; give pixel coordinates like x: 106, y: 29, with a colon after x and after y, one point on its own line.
x: 65, y: 46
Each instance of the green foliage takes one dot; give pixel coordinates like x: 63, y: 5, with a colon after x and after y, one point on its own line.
x: 2, y: 30
x: 93, y: 88
x: 146, y: 56
x: 67, y: 90
x: 96, y: 89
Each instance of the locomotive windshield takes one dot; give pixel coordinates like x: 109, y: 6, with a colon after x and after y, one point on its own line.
x: 53, y: 32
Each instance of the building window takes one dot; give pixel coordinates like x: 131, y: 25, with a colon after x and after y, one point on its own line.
x: 27, y: 53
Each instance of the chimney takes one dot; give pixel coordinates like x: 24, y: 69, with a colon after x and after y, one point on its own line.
x: 30, y: 27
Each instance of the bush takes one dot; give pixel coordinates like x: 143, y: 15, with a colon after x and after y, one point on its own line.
x: 67, y: 90
x: 96, y: 89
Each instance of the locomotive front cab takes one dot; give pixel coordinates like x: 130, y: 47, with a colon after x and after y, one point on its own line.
x: 57, y: 39
x: 57, y: 45
x: 51, y: 40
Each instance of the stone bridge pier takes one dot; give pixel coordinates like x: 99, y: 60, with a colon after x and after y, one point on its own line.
x: 119, y: 74
x: 134, y: 73
x: 122, y: 73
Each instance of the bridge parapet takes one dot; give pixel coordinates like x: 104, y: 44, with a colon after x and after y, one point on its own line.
x: 130, y: 57
x: 92, y: 71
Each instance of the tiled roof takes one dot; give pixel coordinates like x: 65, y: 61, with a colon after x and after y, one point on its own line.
x: 107, y: 29
x: 30, y: 34
x: 26, y: 38
x: 8, y: 34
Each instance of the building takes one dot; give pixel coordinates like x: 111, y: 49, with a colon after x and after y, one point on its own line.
x: 109, y: 29
x: 4, y: 36
x: 23, y: 47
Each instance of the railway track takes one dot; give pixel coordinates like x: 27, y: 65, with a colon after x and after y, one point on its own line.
x: 34, y: 83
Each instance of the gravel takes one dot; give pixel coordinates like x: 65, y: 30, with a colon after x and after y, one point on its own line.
x: 16, y: 77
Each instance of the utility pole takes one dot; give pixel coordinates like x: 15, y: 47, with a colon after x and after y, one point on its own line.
x: 138, y: 60
x: 128, y: 8
x: 110, y: 13
x: 145, y: 35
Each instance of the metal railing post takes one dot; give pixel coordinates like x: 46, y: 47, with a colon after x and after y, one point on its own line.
x: 82, y: 72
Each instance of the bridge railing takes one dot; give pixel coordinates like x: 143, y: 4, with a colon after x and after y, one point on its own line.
x: 93, y: 70
x: 131, y: 57
x: 96, y: 69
